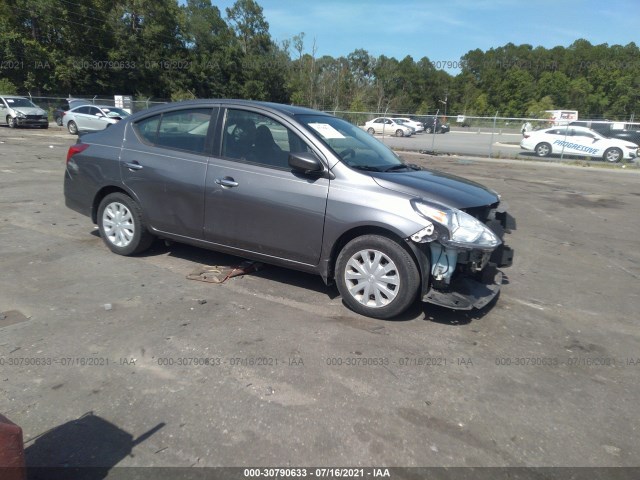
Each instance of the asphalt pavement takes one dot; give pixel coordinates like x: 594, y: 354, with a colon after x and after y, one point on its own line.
x: 112, y: 361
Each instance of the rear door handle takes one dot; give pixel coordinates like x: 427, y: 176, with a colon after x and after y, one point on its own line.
x: 133, y: 165
x: 227, y: 182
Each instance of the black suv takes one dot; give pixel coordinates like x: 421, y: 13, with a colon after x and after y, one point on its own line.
x: 609, y: 130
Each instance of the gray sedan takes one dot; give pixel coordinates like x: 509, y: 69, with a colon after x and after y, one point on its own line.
x: 90, y: 118
x: 293, y: 187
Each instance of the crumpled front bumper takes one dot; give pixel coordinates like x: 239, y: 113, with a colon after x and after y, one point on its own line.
x: 26, y: 122
x: 476, y: 279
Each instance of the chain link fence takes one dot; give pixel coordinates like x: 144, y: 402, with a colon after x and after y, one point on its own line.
x: 53, y: 102
x: 494, y: 136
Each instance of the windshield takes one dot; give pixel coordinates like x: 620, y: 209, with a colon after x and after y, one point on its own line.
x: 19, y: 102
x: 353, y: 145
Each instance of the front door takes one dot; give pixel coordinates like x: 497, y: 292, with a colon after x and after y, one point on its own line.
x: 253, y: 201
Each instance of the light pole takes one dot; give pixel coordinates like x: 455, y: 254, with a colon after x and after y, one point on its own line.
x: 444, y: 102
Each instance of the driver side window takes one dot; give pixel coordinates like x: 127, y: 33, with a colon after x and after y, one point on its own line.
x: 256, y: 138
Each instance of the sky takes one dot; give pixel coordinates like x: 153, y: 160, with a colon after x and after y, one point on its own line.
x: 445, y: 30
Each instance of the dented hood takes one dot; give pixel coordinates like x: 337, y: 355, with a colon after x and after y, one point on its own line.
x: 437, y: 186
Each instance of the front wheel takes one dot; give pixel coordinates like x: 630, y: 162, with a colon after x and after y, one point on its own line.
x: 121, y: 226
x: 11, y: 122
x: 428, y: 130
x: 613, y: 155
x: 370, y: 131
x: 399, y: 133
x: 543, y: 150
x: 377, y: 276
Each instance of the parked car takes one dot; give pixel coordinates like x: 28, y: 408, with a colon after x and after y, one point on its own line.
x: 87, y: 118
x: 22, y: 112
x: 433, y: 124
x: 417, y: 126
x: 610, y: 129
x: 293, y: 187
x: 385, y: 125
x: 68, y: 104
x: 579, y: 141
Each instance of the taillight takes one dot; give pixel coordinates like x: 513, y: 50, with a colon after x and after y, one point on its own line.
x: 77, y: 148
x: 526, y: 136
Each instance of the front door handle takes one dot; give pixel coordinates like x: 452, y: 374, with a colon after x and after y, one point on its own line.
x: 133, y: 165
x: 227, y: 182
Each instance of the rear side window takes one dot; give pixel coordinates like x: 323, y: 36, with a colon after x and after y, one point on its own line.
x: 85, y: 110
x: 180, y: 130
x: 148, y: 128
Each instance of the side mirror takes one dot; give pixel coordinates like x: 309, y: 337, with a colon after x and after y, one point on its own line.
x: 305, y: 162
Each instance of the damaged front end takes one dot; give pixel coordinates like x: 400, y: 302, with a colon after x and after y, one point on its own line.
x: 460, y: 252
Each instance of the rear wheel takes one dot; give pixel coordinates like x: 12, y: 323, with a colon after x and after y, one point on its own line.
x: 613, y: 155
x: 377, y: 276
x: 59, y: 121
x: 543, y: 149
x: 121, y: 226
x: 72, y: 127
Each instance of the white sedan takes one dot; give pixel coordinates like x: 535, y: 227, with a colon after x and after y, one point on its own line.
x: 90, y: 118
x: 386, y: 126
x: 417, y: 126
x: 578, y: 141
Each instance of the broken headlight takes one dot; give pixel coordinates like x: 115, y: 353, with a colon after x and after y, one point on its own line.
x: 463, y: 229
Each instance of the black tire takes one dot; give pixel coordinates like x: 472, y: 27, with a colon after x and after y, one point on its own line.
x: 126, y: 234
x: 401, y: 277
x: 11, y: 122
x: 399, y: 133
x: 72, y: 127
x: 612, y: 155
x: 370, y: 131
x: 59, y: 121
x: 44, y: 126
x: 428, y: 130
x: 543, y: 149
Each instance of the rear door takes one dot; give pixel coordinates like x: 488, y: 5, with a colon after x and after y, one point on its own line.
x: 81, y: 118
x: 164, y: 164
x: 94, y: 120
x: 253, y: 201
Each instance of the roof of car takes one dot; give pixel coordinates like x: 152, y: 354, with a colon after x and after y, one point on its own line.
x: 289, y: 110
